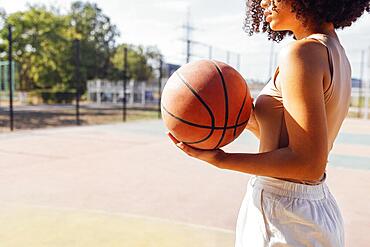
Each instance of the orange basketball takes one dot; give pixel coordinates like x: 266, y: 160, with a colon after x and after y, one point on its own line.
x: 206, y: 104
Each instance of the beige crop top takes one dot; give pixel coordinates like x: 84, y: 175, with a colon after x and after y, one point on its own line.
x: 273, y: 133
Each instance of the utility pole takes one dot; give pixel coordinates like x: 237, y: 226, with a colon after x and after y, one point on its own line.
x: 188, y: 29
x: 189, y: 42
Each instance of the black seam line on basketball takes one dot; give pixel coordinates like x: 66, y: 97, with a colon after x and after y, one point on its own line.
x: 226, y: 103
x: 202, y: 126
x: 195, y: 93
x: 203, y: 103
x: 184, y: 121
x: 241, y: 109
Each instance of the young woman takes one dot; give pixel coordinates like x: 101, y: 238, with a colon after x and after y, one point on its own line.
x: 297, y: 117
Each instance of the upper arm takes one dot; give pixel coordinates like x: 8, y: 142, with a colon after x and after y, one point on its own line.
x: 301, y: 74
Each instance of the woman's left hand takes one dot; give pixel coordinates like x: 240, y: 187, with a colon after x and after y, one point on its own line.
x: 213, y: 157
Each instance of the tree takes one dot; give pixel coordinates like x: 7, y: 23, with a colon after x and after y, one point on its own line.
x: 97, y: 39
x: 39, y: 38
x: 142, y: 62
x: 44, y: 47
x: 3, y: 45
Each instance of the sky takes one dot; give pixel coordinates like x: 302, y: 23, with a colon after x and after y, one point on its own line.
x: 160, y: 23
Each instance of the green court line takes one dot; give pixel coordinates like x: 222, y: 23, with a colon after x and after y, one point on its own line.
x: 39, y: 227
x: 348, y: 161
x: 351, y: 138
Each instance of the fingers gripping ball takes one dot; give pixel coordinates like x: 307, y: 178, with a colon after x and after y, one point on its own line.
x: 206, y: 104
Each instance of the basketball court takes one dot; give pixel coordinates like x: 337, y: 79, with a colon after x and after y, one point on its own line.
x: 128, y: 185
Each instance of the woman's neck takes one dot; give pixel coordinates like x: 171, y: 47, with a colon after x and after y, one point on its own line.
x: 302, y: 32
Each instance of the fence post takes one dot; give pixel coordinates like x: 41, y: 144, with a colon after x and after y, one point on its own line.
x: 367, y: 94
x: 10, y: 58
x: 361, y: 83
x: 77, y: 79
x: 125, y: 76
x: 160, y: 86
x: 367, y: 87
x: 1, y: 81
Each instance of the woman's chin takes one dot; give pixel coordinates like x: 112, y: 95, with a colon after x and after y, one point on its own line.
x: 275, y: 27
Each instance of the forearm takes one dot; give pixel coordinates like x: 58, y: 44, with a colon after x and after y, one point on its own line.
x: 280, y: 163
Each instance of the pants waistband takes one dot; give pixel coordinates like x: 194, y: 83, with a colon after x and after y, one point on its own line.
x: 289, y: 189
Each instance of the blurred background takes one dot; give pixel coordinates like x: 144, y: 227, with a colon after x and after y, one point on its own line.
x: 80, y: 63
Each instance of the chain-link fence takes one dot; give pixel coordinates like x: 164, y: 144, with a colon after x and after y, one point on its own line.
x: 84, y: 99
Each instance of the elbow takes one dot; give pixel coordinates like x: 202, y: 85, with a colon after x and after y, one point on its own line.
x: 314, y: 168
x: 311, y: 165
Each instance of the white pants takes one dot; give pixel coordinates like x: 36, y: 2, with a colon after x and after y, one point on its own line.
x: 275, y: 212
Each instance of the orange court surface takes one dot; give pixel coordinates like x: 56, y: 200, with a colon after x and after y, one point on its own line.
x: 128, y: 185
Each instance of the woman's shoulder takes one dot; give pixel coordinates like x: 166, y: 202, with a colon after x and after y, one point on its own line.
x: 309, y: 52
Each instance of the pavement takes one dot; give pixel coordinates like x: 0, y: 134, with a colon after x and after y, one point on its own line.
x: 128, y: 185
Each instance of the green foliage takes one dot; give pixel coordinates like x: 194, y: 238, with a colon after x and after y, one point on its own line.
x: 39, y: 36
x: 97, y: 39
x: 51, y: 96
x: 43, y: 47
x: 141, y: 62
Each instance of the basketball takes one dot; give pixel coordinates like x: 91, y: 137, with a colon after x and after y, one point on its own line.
x: 206, y: 104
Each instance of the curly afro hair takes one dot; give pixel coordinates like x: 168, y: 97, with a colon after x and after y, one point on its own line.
x: 342, y: 13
